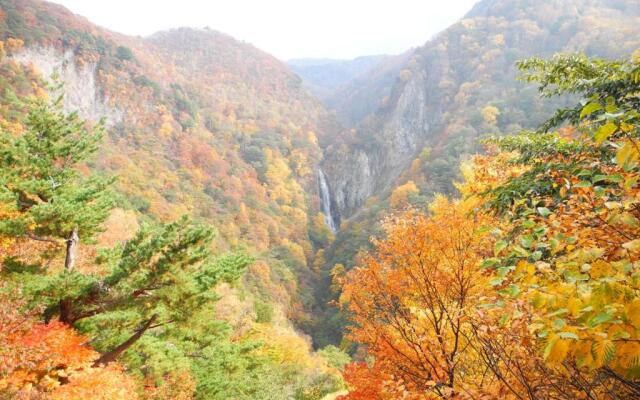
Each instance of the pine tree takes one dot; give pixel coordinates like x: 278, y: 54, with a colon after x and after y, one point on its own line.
x: 163, y: 276
x: 46, y: 197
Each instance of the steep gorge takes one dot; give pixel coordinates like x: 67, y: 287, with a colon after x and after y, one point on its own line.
x: 201, y: 124
x: 457, y: 89
x: 439, y: 95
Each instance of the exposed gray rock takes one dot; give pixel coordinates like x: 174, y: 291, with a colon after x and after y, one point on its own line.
x: 80, y: 88
x: 357, y: 172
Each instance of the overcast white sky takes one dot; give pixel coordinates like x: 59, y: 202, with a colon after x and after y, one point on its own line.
x: 288, y: 28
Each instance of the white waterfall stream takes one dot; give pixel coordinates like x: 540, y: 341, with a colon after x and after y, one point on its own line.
x: 325, y: 197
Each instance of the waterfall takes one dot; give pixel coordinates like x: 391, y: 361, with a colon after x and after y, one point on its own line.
x: 325, y: 197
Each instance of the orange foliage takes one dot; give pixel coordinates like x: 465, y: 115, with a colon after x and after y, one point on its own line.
x: 400, y: 196
x: 52, y: 360
x: 364, y: 382
x: 411, y: 300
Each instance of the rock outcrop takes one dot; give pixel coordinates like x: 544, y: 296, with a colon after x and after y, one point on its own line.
x: 81, y: 93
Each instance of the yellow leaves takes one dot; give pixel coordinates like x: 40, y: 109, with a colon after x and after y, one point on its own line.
x: 281, y: 184
x: 525, y: 269
x: 599, y: 269
x: 604, y: 132
x: 603, y: 351
x: 556, y: 349
x: 482, y: 173
x: 626, y: 127
x: 400, y: 196
x: 423, y: 264
x: 632, y: 311
x: 14, y: 45
x: 581, y: 292
x: 574, y: 305
x: 538, y: 300
x: 590, y: 109
x: 312, y: 138
x: 490, y: 114
x: 175, y: 385
x: 633, y: 245
x: 585, y: 255
x: 582, y: 351
x: 626, y: 219
x: 628, y: 355
x: 296, y: 251
x: 627, y: 156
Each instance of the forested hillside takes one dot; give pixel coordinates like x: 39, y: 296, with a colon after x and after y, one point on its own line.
x: 525, y: 287
x: 182, y: 216
x: 458, y: 88
x: 198, y: 124
x: 461, y: 86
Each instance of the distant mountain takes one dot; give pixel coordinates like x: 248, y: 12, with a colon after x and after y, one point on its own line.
x: 441, y: 89
x: 352, y: 89
x: 324, y: 76
x: 366, y: 92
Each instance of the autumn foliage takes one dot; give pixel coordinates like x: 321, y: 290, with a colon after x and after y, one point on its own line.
x: 528, y: 288
x: 53, y: 361
x: 412, y: 300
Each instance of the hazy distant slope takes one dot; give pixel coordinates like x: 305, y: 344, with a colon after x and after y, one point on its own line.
x: 323, y: 75
x: 352, y: 89
x: 368, y: 91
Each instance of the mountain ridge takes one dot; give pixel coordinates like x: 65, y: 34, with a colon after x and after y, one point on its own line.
x: 200, y: 124
x: 428, y: 64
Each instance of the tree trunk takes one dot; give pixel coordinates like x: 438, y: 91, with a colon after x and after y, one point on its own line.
x: 65, y: 311
x: 72, y: 245
x: 115, y: 353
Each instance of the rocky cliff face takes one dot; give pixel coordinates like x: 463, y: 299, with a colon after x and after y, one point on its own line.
x: 442, y: 93
x: 81, y: 93
x: 370, y: 166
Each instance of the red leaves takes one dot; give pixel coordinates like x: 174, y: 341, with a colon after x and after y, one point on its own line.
x: 52, y: 359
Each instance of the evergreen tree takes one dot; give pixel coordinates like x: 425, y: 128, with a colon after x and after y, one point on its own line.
x: 45, y: 196
x: 164, y: 275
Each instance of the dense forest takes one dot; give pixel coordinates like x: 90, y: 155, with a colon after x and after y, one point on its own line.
x: 183, y: 217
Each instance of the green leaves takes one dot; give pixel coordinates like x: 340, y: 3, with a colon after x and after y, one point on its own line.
x: 39, y: 177
x: 590, y: 108
x: 499, y: 246
x: 608, y: 87
x: 543, y: 211
x: 526, y: 241
x: 568, y: 335
x: 510, y: 291
x: 599, y: 319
